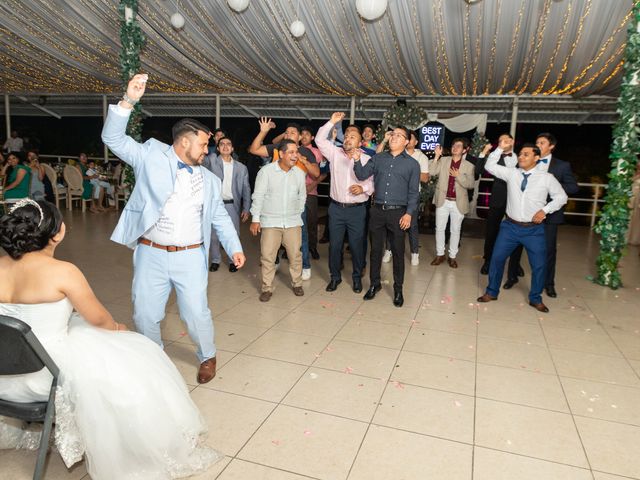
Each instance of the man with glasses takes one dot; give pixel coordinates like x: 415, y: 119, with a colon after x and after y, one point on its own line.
x: 396, y: 178
x: 236, y: 194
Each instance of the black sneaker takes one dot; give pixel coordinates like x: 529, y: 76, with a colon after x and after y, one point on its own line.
x: 214, y: 267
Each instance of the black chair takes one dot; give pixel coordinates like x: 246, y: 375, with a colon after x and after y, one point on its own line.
x: 21, y: 353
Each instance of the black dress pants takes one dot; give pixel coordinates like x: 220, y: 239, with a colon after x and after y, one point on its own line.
x: 380, y: 222
x: 351, y: 221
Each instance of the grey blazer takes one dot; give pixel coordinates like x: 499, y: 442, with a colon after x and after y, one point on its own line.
x: 239, y: 184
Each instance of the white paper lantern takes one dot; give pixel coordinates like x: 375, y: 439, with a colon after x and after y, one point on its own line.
x: 297, y: 29
x: 238, y: 5
x: 371, y: 9
x: 177, y: 21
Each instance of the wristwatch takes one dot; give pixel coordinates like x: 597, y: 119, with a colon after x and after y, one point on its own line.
x: 128, y: 99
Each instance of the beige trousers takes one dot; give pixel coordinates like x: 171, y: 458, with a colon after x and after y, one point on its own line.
x: 270, y: 241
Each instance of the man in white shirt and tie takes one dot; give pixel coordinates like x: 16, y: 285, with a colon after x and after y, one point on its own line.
x: 527, y: 191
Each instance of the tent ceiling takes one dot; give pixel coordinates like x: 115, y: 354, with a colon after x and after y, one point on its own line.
x: 419, y: 47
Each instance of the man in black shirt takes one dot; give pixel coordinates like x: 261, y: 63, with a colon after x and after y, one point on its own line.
x: 396, y: 177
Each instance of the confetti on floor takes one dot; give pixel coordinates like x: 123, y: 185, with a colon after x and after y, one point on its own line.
x: 348, y: 370
x: 307, y: 433
x: 313, y: 376
x: 275, y: 442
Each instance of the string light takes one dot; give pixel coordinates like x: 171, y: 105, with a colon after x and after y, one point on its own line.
x: 574, y: 45
x: 364, y: 58
x: 492, y: 56
x: 542, y: 26
x: 512, y: 48
x: 554, y: 55
x: 418, y: 36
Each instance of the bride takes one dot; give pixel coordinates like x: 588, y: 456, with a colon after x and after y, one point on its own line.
x: 121, y: 402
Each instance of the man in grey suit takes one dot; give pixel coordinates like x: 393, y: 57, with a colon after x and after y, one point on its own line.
x: 236, y: 194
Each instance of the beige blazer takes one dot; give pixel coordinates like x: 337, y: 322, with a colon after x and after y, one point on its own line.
x: 465, y: 181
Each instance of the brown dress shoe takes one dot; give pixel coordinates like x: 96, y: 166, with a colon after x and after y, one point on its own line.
x: 438, y: 260
x: 265, y: 296
x: 298, y: 291
x: 541, y: 307
x: 207, y: 370
x: 486, y: 298
x: 452, y: 263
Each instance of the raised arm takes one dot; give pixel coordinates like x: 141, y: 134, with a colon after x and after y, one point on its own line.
x: 256, y: 147
x: 325, y: 145
x: 114, y: 130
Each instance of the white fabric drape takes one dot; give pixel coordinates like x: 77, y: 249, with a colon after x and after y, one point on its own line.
x: 418, y: 47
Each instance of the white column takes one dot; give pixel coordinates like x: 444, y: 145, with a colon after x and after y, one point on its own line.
x: 352, y: 116
x: 514, y: 118
x: 7, y: 114
x: 217, y: 110
x: 105, y: 108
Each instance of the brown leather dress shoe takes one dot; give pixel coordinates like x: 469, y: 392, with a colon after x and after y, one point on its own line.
x: 298, y: 291
x: 452, y: 263
x: 207, y: 370
x: 265, y: 296
x: 438, y: 260
x: 486, y: 298
x: 541, y: 307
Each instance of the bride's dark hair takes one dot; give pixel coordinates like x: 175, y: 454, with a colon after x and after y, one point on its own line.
x: 29, y: 228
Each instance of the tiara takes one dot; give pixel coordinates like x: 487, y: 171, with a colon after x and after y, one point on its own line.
x: 23, y: 203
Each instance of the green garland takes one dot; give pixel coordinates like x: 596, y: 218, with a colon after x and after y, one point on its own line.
x: 401, y: 116
x: 477, y: 143
x: 132, y: 40
x: 614, y: 217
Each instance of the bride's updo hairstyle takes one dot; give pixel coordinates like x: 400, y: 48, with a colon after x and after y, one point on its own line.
x: 28, y: 227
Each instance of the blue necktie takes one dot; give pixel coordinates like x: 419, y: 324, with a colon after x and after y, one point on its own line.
x: 543, y: 160
x: 523, y: 185
x: 184, y: 165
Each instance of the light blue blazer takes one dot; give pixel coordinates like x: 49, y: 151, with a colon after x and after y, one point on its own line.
x: 155, y: 165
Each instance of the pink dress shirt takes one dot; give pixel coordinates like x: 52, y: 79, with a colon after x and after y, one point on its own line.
x: 341, y: 168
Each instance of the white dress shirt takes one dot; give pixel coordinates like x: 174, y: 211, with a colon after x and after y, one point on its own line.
x: 542, y: 166
x: 522, y: 206
x: 227, y: 192
x: 279, y: 197
x: 13, y: 145
x: 180, y: 221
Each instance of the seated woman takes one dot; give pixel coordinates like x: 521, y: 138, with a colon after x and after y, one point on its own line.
x: 18, y: 180
x: 87, y: 187
x: 37, y: 176
x: 121, y: 402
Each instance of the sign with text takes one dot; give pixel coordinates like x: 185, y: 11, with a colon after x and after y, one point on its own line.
x: 431, y: 135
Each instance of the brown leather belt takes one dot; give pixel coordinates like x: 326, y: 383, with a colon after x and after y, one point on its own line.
x: 522, y: 224
x: 168, y: 248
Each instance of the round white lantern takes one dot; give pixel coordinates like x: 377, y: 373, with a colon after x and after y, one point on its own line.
x: 297, y: 29
x: 371, y: 9
x: 238, y: 5
x: 177, y: 21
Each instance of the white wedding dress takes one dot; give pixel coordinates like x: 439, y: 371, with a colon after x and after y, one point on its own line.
x: 120, y: 402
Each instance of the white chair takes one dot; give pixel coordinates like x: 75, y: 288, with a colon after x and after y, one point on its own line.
x: 122, y: 189
x: 59, y: 192
x: 73, y: 177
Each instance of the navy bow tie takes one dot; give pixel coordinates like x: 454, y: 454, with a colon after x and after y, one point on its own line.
x: 184, y: 165
x: 543, y: 160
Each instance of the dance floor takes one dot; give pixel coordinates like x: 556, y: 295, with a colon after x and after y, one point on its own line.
x: 327, y: 386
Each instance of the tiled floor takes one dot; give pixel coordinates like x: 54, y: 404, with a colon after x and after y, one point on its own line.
x: 327, y: 386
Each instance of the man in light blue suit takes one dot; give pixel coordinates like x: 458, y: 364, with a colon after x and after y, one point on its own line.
x: 236, y: 193
x: 168, y: 221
